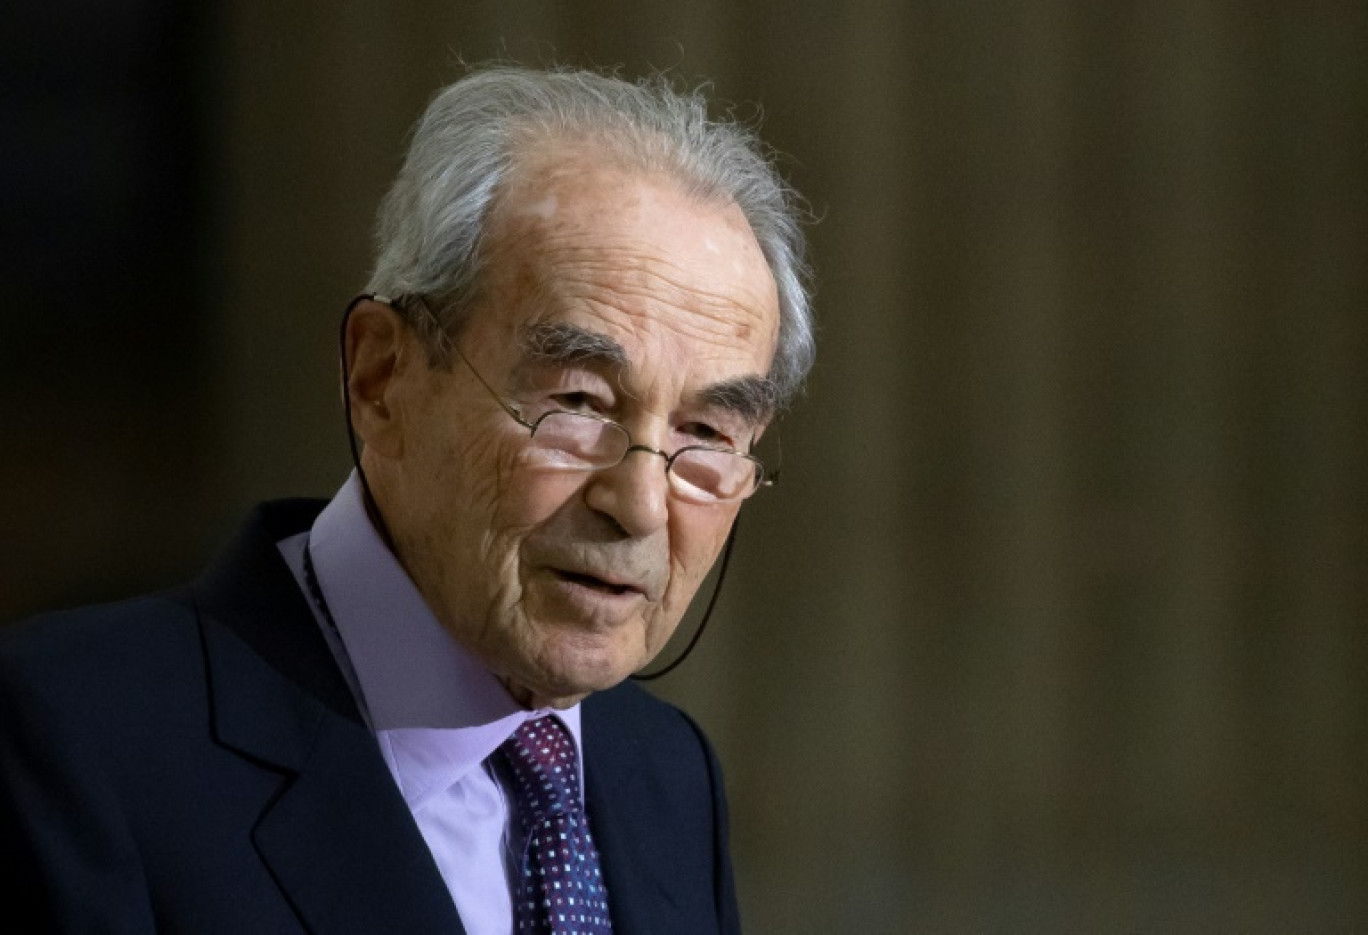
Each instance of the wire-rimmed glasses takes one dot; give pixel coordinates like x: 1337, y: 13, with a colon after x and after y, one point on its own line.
x: 582, y: 441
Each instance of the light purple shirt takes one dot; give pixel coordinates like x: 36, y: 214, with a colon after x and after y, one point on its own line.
x: 436, y: 712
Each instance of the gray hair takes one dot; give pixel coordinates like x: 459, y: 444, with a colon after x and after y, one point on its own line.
x: 431, y: 223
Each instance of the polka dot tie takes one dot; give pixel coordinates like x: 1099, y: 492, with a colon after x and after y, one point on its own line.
x: 561, y: 887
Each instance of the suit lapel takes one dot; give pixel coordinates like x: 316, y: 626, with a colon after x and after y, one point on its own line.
x: 337, y: 837
x: 345, y: 848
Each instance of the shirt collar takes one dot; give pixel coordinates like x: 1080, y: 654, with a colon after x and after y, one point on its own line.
x: 442, y: 710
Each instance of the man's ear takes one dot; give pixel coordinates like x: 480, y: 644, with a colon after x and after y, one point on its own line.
x: 374, y: 349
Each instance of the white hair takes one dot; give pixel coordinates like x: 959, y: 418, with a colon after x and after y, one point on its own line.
x: 432, y: 221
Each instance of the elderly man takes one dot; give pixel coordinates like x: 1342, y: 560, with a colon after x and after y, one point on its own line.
x: 407, y: 710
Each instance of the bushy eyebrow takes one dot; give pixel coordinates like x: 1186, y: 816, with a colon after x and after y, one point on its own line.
x: 564, y: 343
x: 752, y: 397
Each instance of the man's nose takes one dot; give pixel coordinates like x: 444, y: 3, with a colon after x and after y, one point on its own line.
x: 634, y: 492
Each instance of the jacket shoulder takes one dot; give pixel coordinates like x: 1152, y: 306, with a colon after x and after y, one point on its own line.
x: 94, y: 642
x: 639, y: 717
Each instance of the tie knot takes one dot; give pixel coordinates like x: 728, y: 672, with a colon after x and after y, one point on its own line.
x: 541, y: 759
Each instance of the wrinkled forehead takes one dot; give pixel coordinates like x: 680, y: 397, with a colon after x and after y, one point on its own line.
x: 632, y: 255
x: 577, y: 185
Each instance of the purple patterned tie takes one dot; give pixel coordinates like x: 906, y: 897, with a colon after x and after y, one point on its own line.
x: 561, y: 888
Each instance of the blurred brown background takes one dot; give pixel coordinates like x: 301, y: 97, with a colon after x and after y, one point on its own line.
x: 1059, y: 620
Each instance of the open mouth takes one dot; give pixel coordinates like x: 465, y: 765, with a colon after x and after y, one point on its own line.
x: 597, y: 584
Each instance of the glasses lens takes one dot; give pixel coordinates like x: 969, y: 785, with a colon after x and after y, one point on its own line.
x: 577, y: 442
x: 573, y: 441
x: 707, y: 474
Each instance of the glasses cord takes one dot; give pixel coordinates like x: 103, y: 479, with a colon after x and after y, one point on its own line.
x: 707, y: 614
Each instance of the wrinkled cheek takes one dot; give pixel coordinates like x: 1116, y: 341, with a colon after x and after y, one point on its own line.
x: 689, y: 567
x: 530, y: 498
x: 495, y: 493
x: 685, y: 579
x: 519, y: 504
x: 660, y: 626
x: 503, y: 591
x: 460, y: 497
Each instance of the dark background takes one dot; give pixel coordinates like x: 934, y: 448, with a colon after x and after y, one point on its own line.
x: 1059, y: 620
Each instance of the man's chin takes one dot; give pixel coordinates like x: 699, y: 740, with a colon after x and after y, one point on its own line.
x: 569, y: 676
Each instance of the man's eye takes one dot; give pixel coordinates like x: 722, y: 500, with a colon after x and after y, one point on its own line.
x: 577, y: 401
x: 702, y: 433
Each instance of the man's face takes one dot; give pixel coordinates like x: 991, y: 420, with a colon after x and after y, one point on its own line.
x: 606, y: 292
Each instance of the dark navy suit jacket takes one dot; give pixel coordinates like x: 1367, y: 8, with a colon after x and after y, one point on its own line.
x: 194, y: 762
